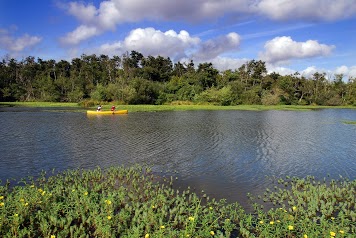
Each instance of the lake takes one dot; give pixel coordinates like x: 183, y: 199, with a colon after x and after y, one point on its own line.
x: 225, y: 153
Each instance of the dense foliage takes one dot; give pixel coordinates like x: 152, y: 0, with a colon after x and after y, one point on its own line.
x: 136, y: 79
x: 132, y: 202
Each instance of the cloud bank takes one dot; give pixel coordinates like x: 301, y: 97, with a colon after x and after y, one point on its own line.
x: 177, y: 46
x: 282, y: 49
x: 109, y: 14
x: 150, y: 41
x: 17, y: 44
x: 96, y: 19
x: 314, y: 10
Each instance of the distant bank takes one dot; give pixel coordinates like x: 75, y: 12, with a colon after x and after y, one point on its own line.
x: 144, y: 108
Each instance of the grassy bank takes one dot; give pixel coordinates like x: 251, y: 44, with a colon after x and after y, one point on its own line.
x: 135, y: 108
x: 39, y: 104
x: 146, y: 108
x: 132, y: 202
x: 350, y: 122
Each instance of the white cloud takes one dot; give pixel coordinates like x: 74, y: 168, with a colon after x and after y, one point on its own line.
x: 307, y: 10
x: 307, y: 73
x: 110, y: 49
x: 178, y: 46
x: 352, y: 72
x: 214, y: 47
x: 342, y: 70
x: 280, y: 70
x: 282, y: 49
x: 111, y: 13
x: 150, y: 41
x: 81, y: 33
x: 84, y: 13
x: 17, y: 44
x: 225, y: 63
x: 346, y: 71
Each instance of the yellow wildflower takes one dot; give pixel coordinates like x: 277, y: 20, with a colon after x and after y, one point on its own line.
x: 261, y: 222
x: 191, y: 218
x: 22, y: 200
x: 153, y: 206
x: 32, y: 186
x: 341, y: 231
x: 2, y: 204
x: 162, y: 227
x: 108, y: 202
x: 210, y: 208
x: 278, y: 221
x: 212, y: 233
x: 333, y: 234
x: 73, y: 190
x: 271, y: 222
x: 294, y: 208
x: 43, y: 193
x: 109, y: 217
x: 86, y: 193
x: 290, y: 227
x: 332, y: 218
x: 305, y: 236
x: 26, y: 204
x: 16, y: 215
x: 1, y: 197
x: 147, y: 236
x: 53, y: 236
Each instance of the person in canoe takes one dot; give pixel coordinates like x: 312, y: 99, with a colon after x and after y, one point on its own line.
x: 113, y: 108
x: 99, y: 108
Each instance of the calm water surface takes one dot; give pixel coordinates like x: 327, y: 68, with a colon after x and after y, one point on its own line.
x: 225, y: 153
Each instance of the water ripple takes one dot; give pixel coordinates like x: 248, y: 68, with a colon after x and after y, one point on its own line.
x: 226, y: 153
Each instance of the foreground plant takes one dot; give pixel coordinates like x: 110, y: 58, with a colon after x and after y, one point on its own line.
x: 120, y: 202
x: 132, y: 202
x: 306, y: 208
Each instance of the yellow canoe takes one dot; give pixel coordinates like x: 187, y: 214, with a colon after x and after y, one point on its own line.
x: 116, y: 112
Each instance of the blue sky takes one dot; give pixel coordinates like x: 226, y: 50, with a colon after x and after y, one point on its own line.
x: 290, y: 36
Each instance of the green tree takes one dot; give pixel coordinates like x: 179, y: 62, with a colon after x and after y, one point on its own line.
x: 100, y: 93
x: 132, y: 64
x: 144, y: 91
x: 216, y: 96
x: 157, y: 69
x: 351, y: 91
x: 207, y: 75
x: 252, y: 73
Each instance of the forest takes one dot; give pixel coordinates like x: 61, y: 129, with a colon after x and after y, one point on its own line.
x: 135, y: 79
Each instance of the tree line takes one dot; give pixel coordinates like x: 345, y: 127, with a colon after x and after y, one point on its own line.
x: 135, y: 79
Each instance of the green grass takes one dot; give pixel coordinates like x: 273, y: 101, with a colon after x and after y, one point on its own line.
x: 350, y: 122
x: 39, y: 104
x: 153, y: 108
x: 149, y: 108
x: 133, y: 202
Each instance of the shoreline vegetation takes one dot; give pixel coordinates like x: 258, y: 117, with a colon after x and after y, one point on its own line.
x: 135, y: 79
x: 134, y: 202
x: 170, y: 107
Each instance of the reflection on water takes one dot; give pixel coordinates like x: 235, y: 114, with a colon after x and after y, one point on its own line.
x: 225, y: 153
